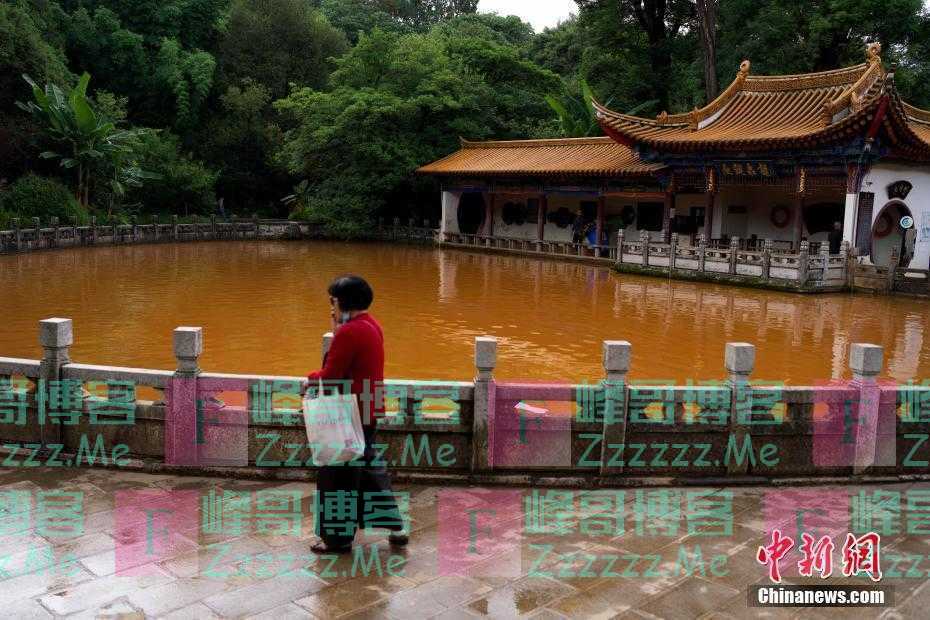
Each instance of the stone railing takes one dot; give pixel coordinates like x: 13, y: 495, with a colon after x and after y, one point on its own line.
x: 614, y: 432
x: 411, y: 232
x: 54, y: 235
x: 37, y: 237
x: 731, y: 263
x: 911, y: 281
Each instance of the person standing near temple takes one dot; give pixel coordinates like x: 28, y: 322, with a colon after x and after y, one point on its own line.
x: 357, y: 355
x: 835, y: 238
x: 578, y: 228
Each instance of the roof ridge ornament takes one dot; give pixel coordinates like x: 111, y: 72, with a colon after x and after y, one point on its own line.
x: 699, y: 115
x: 873, y: 52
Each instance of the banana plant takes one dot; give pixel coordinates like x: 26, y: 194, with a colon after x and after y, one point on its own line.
x: 300, y: 198
x: 577, y: 116
x: 87, y: 143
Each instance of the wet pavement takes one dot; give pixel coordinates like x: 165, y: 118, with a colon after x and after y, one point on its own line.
x: 96, y: 543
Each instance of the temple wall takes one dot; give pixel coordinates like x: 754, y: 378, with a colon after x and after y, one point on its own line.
x: 918, y: 201
x: 527, y: 230
x: 556, y: 202
x: 613, y: 207
x: 759, y: 202
x: 684, y: 204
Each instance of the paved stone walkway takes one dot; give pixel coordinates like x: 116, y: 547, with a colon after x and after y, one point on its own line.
x: 142, y: 545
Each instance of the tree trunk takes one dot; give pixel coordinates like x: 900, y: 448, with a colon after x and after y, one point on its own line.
x: 79, y: 192
x: 707, y: 27
x: 652, y: 16
x: 661, y: 60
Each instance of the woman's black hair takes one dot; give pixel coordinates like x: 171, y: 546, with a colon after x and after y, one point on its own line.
x: 353, y: 293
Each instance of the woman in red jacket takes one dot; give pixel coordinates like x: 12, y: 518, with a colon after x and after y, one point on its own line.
x: 349, y: 494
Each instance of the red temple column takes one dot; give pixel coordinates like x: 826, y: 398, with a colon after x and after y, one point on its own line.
x: 541, y: 218
x: 709, y: 216
x: 711, y: 203
x: 798, y: 222
x: 599, y: 227
x: 799, y: 209
x: 489, y: 215
x: 667, y: 217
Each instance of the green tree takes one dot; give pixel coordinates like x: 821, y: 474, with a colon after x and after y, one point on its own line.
x: 422, y: 14
x: 559, y: 49
x: 27, y: 45
x: 24, y: 49
x: 276, y: 43
x: 193, y: 23
x: 396, y: 103
x: 661, y: 21
x: 100, y: 45
x: 780, y: 36
x: 354, y: 17
x: 167, y: 83
x: 182, y: 185
x: 241, y: 140
x: 186, y: 78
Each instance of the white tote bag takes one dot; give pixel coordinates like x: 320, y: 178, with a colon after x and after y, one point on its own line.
x: 334, y: 428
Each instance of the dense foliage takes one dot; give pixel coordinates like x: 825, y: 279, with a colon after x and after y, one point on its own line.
x: 325, y: 108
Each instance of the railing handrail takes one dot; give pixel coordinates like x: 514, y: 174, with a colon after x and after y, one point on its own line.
x: 19, y: 366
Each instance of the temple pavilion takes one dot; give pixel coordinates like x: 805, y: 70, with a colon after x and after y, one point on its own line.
x: 782, y: 158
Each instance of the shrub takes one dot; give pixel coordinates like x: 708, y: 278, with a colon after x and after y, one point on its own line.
x: 184, y: 185
x: 35, y: 196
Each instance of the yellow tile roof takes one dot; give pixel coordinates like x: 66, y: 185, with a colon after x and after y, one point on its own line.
x: 754, y: 113
x: 600, y: 156
x: 789, y: 111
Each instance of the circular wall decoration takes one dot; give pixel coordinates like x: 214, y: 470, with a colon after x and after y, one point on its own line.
x: 513, y: 213
x: 883, y: 226
x: 508, y: 215
x: 561, y: 218
x: 780, y: 216
x: 471, y: 213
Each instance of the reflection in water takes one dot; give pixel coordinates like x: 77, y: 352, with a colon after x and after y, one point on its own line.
x: 263, y: 307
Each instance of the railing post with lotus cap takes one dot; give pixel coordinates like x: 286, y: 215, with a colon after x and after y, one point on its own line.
x: 485, y: 361
x: 181, y: 423
x: 56, y: 337
x: 865, y: 362
x: 616, y: 360
x: 740, y: 359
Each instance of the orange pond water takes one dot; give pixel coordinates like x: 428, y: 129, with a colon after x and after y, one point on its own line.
x: 263, y: 307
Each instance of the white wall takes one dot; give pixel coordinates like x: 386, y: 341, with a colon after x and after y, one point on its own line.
x: 613, y: 207
x: 918, y: 201
x: 527, y: 230
x: 759, y: 202
x: 450, y: 211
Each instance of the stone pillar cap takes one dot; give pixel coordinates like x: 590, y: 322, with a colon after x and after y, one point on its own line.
x: 866, y: 359
x: 740, y: 357
x: 56, y: 333
x: 617, y: 356
x: 485, y: 352
x: 188, y: 342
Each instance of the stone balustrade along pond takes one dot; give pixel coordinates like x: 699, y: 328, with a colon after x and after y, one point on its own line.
x: 805, y: 271
x: 612, y: 433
